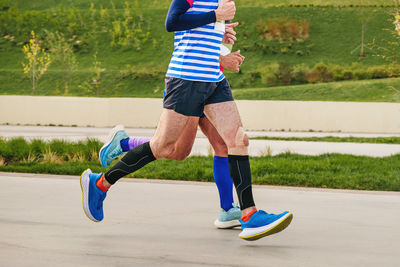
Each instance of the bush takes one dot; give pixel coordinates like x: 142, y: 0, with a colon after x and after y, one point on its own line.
x: 299, y: 73
x: 377, y: 72
x: 285, y: 74
x: 361, y: 74
x: 269, y: 74
x: 319, y: 73
x: 337, y: 72
x: 394, y: 70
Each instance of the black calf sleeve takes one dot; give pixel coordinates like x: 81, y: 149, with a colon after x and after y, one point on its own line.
x: 131, y: 162
x: 239, y: 167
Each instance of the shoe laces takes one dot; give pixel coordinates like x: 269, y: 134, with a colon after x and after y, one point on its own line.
x: 116, y: 152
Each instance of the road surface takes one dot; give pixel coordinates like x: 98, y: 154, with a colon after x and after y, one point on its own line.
x: 161, y: 223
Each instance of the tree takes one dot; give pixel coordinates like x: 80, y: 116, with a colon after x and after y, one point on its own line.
x: 62, y: 53
x: 38, y: 60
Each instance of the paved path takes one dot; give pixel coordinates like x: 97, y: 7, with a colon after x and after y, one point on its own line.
x: 159, y: 223
x: 202, y: 146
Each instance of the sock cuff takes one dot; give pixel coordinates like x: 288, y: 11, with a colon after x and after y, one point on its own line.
x: 100, y: 185
x: 238, y: 157
x: 224, y: 159
x: 124, y: 143
x: 248, y: 216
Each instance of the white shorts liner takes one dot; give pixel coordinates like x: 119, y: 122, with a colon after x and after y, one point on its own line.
x: 254, y: 231
x: 85, y: 193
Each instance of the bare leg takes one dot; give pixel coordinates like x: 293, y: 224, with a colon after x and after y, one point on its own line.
x: 225, y: 117
x: 216, y: 141
x: 170, y: 127
x: 184, y: 144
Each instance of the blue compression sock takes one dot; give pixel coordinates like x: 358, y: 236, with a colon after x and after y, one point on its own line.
x: 224, y: 182
x: 125, y: 144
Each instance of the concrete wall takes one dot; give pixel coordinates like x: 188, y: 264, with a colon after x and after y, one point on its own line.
x: 256, y: 115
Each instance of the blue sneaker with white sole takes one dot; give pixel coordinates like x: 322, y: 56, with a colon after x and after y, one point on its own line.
x: 112, y: 147
x: 229, y: 219
x: 92, y: 196
x: 263, y: 224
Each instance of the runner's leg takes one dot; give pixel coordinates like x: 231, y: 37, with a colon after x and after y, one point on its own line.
x: 162, y: 145
x: 225, y: 117
x: 222, y: 177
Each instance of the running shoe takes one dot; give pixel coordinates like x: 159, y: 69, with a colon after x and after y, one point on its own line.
x: 92, y: 196
x: 263, y: 224
x: 112, y: 148
x: 228, y: 219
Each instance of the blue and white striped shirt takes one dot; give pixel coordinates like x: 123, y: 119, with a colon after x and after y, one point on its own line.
x: 196, y: 51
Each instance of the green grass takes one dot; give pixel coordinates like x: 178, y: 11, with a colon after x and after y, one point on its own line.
x: 327, y: 171
x: 334, y: 33
x: 372, y: 140
x: 380, y: 90
x: 46, y: 4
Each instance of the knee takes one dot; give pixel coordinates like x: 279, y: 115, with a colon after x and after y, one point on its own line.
x: 238, y: 139
x: 220, y: 148
x: 164, y: 151
x: 177, y: 154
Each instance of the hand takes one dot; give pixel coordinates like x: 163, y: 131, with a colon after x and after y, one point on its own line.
x: 232, y: 61
x: 230, y: 34
x: 226, y: 10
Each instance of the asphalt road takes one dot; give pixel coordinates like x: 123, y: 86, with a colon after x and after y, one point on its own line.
x: 202, y: 146
x: 159, y: 223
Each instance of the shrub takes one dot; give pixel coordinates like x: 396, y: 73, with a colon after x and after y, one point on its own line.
x: 377, y: 72
x: 320, y: 73
x: 299, y: 73
x: 285, y: 74
x: 283, y: 30
x: 269, y: 74
x: 361, y: 74
x: 348, y: 74
x: 394, y: 70
x: 337, y: 72
x: 283, y: 35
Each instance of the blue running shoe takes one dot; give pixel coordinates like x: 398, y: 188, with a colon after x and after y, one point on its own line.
x: 229, y: 219
x: 262, y: 224
x: 92, y: 196
x: 112, y: 148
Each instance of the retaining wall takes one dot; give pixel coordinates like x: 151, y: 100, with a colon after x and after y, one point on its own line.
x: 256, y: 115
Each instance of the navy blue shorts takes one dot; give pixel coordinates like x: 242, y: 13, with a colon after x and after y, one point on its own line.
x: 189, y: 97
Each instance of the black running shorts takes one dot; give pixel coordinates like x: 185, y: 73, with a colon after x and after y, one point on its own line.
x: 189, y: 97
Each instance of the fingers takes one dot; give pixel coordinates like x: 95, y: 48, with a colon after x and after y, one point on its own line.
x: 231, y: 25
x: 230, y: 31
x: 230, y: 36
x: 237, y: 53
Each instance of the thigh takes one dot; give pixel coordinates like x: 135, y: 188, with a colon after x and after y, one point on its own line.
x: 225, y: 118
x: 216, y: 141
x: 170, y: 127
x: 184, y: 144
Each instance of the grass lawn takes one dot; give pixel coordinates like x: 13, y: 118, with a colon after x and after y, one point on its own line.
x: 327, y: 171
x: 379, y: 90
x: 334, y: 33
x: 46, y: 4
